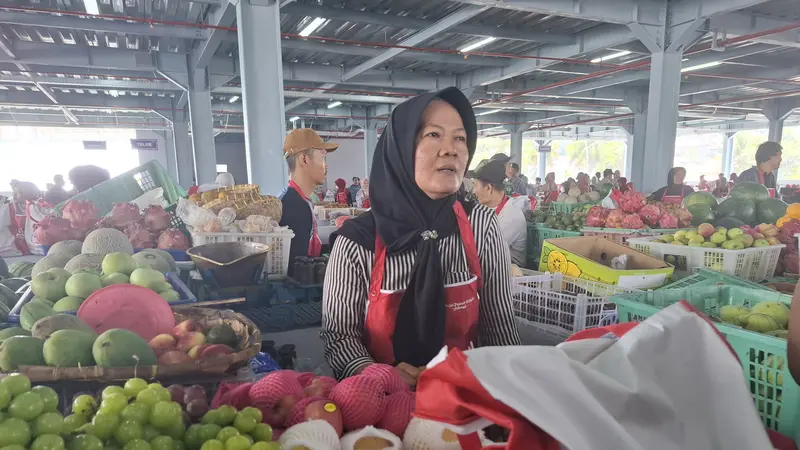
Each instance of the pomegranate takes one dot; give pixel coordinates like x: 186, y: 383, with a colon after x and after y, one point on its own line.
x: 156, y: 218
x: 632, y: 222
x: 650, y: 214
x: 124, y: 214
x: 596, y: 217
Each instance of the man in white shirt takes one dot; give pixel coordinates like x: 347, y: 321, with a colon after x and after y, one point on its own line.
x: 488, y: 183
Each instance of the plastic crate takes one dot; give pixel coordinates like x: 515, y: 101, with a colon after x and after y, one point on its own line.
x: 186, y: 297
x: 561, y: 207
x: 536, y: 236
x: 129, y: 186
x: 561, y: 305
x: 276, y: 264
x: 708, y: 277
x: 754, y: 264
x: 776, y: 395
x: 621, y: 235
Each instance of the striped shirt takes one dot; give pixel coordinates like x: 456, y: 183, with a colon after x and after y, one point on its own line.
x: 344, y: 296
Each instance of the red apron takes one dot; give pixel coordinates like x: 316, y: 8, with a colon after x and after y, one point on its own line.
x: 365, y: 203
x: 501, y: 205
x: 461, y: 301
x: 314, y: 242
x: 761, y: 180
x: 341, y: 198
x: 674, y: 199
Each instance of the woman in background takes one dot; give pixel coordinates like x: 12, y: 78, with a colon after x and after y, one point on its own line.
x: 623, y: 185
x: 675, y: 190
x: 362, y: 197
x: 551, y: 189
x: 342, y: 195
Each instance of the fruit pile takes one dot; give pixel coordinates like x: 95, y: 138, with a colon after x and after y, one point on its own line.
x: 136, y: 416
x: 574, y: 196
x: 706, y: 235
x: 57, y: 290
x: 747, y: 204
x: 789, y: 226
x: 189, y: 342
x: 771, y: 318
x: 635, y: 213
x: 573, y: 221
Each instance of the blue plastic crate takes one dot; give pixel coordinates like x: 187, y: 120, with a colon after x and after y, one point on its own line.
x: 187, y: 297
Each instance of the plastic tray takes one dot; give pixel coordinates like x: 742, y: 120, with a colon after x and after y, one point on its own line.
x: 708, y: 277
x: 562, y: 207
x: 763, y: 357
x: 754, y: 264
x: 187, y: 297
x: 276, y: 264
x: 561, y: 305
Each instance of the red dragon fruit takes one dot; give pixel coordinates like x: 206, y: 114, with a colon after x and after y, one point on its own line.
x: 632, y: 201
x: 139, y: 236
x: 632, y: 222
x: 596, y: 217
x: 82, y: 214
x: 156, y: 219
x: 53, y: 229
x: 684, y: 218
x: 668, y: 220
x: 173, y: 239
x: 614, y: 218
x: 650, y: 214
x: 124, y: 214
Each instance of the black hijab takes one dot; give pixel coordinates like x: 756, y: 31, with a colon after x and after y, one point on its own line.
x: 672, y: 187
x: 401, y: 212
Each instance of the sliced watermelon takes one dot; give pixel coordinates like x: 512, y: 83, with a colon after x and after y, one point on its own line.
x: 749, y: 191
x: 770, y: 210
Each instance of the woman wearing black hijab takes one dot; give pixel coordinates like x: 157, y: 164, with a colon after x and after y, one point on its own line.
x: 423, y: 268
x: 675, y: 191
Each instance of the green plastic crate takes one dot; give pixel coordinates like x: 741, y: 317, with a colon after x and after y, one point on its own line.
x: 708, y: 277
x: 130, y: 185
x: 537, y: 233
x: 568, y: 207
x: 763, y: 358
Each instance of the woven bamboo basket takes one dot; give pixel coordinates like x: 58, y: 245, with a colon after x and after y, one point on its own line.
x: 217, y: 205
x: 266, y: 206
x: 249, y: 345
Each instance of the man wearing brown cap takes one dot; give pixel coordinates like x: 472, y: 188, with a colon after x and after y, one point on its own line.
x: 305, y: 154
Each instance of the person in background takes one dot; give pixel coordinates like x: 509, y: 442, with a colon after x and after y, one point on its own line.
x: 56, y: 194
x: 732, y: 180
x: 617, y: 174
x: 551, y: 188
x: 362, y: 196
x: 623, y: 185
x: 538, y: 186
x: 584, y: 183
x: 305, y: 153
x: 83, y: 178
x: 518, y: 185
x: 721, y: 189
x: 342, y: 195
x: 608, y: 177
x: 353, y: 189
x: 703, y: 185
x: 675, y: 190
x: 598, y: 176
x: 488, y: 179
x: 768, y: 160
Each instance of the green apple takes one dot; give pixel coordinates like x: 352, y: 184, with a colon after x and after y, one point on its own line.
x: 678, y: 242
x: 83, y: 285
x: 734, y: 232
x: 746, y: 239
x: 733, y: 244
x: 721, y: 229
x: 718, y: 237
x: 667, y: 238
x: 148, y: 278
x: 170, y: 296
x: 50, y: 285
x: 697, y: 240
x: 118, y: 262
x: 690, y: 234
x: 679, y: 235
x: 695, y: 244
x: 115, y: 278
x: 760, y: 243
x: 709, y: 245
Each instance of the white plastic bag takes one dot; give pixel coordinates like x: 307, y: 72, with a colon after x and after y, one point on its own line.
x: 193, y: 215
x: 10, y: 242
x: 35, y: 212
x: 151, y: 197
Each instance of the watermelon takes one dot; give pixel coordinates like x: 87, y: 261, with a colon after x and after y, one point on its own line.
x: 3, y: 269
x: 770, y: 210
x: 742, y: 209
x: 14, y: 283
x: 729, y: 222
x: 8, y: 297
x: 699, y: 198
x: 749, y: 191
x: 701, y: 214
x: 21, y: 269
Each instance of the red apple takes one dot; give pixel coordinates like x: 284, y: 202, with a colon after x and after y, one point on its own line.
x: 325, y: 410
x: 191, y: 339
x: 173, y: 357
x: 216, y: 350
x: 187, y: 326
x: 163, y: 342
x: 196, y: 351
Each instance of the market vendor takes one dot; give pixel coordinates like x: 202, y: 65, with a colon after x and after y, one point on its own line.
x: 675, y: 191
x: 433, y: 268
x: 768, y: 160
x: 305, y: 154
x: 488, y: 180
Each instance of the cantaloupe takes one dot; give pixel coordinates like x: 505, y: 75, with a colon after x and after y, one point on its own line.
x: 105, y: 241
x: 48, y: 262
x: 85, y: 261
x: 71, y: 248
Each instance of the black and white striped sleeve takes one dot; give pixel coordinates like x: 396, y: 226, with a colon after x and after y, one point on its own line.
x: 344, y: 300
x: 497, y: 324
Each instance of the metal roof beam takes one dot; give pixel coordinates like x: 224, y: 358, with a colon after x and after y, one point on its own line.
x: 608, y: 11
x: 316, y: 95
x: 38, y: 53
x: 224, y: 16
x: 89, y: 23
x: 738, y: 24
x: 374, y: 78
x: 717, y: 85
x: 77, y: 101
x: 434, y: 29
x: 395, y: 21
x: 91, y: 83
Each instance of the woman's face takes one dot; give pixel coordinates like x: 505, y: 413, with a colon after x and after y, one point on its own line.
x: 678, y: 177
x: 441, y: 155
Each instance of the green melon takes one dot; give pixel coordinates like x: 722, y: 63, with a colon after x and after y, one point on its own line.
x: 32, y: 312
x: 770, y: 210
x: 700, y: 198
x: 122, y: 348
x: 701, y: 213
x: 13, y: 331
x: 749, y: 190
x: 742, y: 209
x: 69, y: 348
x: 21, y: 351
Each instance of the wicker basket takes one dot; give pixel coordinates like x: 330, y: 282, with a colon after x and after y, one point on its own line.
x: 250, y: 345
x: 266, y: 206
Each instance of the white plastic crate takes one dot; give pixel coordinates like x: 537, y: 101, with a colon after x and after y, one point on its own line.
x: 754, y: 264
x: 561, y: 305
x: 276, y: 264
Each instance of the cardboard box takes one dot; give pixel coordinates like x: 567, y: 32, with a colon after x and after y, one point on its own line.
x: 589, y: 257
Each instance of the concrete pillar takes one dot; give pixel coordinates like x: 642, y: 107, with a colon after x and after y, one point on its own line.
x: 727, y: 153
x: 776, y: 129
x: 542, y: 163
x: 370, y: 142
x: 260, y: 64
x: 662, y: 120
x: 515, y: 152
x: 169, y: 149
x: 202, y: 123
x: 183, y: 152
x: 638, y: 157
x: 628, y: 162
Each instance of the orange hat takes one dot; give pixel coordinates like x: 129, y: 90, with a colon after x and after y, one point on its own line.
x: 303, y: 139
